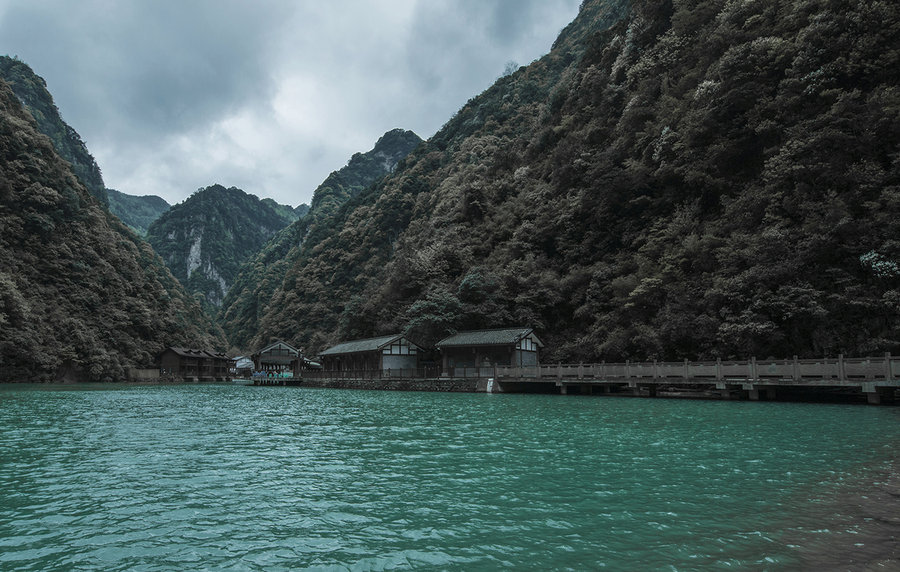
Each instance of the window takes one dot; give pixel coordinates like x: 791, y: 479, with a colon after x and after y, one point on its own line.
x: 399, y: 348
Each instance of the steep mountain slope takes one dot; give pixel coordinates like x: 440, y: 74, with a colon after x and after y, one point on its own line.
x: 263, y: 274
x: 31, y: 89
x: 698, y: 180
x: 205, y: 239
x: 81, y: 297
x: 136, y: 212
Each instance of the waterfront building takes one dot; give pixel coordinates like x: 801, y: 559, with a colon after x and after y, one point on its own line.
x: 386, y: 353
x: 278, y: 359
x: 195, y: 364
x: 475, y: 350
x: 243, y: 366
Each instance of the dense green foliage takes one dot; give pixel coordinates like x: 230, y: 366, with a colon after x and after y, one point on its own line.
x: 676, y: 179
x: 263, y: 274
x: 207, y: 238
x: 31, y: 89
x: 81, y: 296
x: 287, y: 213
x: 136, y: 212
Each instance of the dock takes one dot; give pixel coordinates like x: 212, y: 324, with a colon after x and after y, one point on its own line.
x: 276, y: 380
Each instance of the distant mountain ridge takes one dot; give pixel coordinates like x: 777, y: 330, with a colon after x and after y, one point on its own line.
x: 136, y: 212
x: 31, y: 90
x: 205, y: 239
x: 81, y: 297
x: 262, y: 275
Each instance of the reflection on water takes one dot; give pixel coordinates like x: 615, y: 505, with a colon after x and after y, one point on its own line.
x: 210, y: 477
x: 852, y: 524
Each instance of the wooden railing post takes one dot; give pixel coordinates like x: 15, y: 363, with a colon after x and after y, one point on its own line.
x: 719, y: 369
x: 686, y: 369
x: 887, y: 366
x: 753, y: 373
x: 795, y: 372
x: 627, y: 369
x: 842, y: 372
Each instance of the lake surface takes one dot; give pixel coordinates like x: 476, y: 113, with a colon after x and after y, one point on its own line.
x: 250, y: 478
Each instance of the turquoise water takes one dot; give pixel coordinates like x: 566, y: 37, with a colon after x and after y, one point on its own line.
x: 248, y: 478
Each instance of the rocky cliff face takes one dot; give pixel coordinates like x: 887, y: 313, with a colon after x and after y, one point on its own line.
x: 205, y: 239
x: 673, y: 180
x: 81, y: 297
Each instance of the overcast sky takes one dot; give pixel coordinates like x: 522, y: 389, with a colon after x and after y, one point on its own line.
x: 266, y: 95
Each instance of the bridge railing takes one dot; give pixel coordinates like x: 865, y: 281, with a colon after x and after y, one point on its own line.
x: 840, y: 369
x: 784, y: 370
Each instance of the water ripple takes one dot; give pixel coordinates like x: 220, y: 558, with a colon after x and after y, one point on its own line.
x: 242, y: 478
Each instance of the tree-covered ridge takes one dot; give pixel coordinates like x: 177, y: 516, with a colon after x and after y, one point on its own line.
x: 136, y: 212
x: 207, y: 238
x: 362, y: 170
x: 81, y: 297
x: 263, y: 274
x: 701, y: 179
x: 31, y: 89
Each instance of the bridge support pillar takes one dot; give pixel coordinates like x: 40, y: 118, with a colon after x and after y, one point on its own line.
x: 878, y: 395
x: 724, y: 391
x: 586, y: 389
x: 652, y: 390
x: 755, y: 393
x: 563, y: 389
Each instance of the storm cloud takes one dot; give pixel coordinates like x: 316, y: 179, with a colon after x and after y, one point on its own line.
x: 266, y: 96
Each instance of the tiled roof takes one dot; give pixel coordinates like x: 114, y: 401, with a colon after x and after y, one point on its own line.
x: 195, y: 353
x: 273, y: 344
x: 356, y: 346
x: 487, y: 338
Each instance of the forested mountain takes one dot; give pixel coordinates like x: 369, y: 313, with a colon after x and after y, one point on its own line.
x: 136, y: 212
x: 674, y: 180
x: 31, y: 90
x: 260, y: 277
x: 81, y: 297
x: 205, y: 239
x: 287, y: 213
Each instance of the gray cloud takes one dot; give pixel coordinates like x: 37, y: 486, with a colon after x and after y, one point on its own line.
x: 267, y: 96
